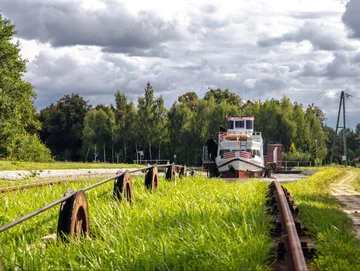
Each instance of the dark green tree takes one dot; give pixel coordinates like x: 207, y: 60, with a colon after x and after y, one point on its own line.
x: 98, y: 130
x: 63, y: 124
x: 220, y: 95
x: 318, y: 138
x: 17, y: 113
x: 152, y: 120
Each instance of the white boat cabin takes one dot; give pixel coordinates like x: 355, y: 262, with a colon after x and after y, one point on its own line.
x: 240, y: 125
x: 240, y: 136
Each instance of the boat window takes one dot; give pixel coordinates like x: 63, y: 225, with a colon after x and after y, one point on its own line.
x: 249, y: 124
x: 239, y: 124
x: 230, y: 124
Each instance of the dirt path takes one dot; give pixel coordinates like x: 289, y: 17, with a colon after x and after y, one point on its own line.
x: 350, y: 200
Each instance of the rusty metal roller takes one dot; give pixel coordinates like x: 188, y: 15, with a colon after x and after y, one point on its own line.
x: 123, y: 187
x: 151, y: 178
x: 170, y: 173
x: 73, y: 216
x: 183, y: 172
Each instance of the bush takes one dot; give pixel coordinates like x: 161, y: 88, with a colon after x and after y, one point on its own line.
x: 26, y: 147
x: 297, y: 156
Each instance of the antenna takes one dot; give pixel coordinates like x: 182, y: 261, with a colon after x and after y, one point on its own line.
x: 342, y: 100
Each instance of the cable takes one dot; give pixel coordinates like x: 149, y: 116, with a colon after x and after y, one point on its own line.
x: 349, y: 95
x: 353, y: 102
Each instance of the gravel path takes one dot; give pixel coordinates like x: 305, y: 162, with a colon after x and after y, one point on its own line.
x: 11, y: 175
x: 350, y: 200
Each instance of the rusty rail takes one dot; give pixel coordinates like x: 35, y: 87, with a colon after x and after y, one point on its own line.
x: 294, y: 256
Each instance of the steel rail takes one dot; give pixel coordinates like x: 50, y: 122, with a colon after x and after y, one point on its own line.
x: 54, y: 203
x: 296, y: 257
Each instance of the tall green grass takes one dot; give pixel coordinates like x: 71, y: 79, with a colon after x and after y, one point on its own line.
x: 197, y: 224
x: 337, y: 247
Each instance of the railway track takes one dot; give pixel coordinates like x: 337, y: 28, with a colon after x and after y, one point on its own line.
x: 292, y: 250
x: 291, y: 241
x: 73, y: 216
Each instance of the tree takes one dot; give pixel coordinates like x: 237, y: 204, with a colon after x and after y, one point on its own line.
x: 148, y: 118
x: 161, y: 134
x: 189, y: 99
x: 287, y: 126
x: 357, y: 129
x: 17, y: 112
x: 318, y: 138
x: 130, y: 134
x: 292, y: 148
x: 63, y: 125
x: 98, y: 129
x: 220, y: 95
x: 302, y: 128
x: 126, y: 120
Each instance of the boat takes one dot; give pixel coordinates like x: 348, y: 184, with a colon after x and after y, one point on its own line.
x: 239, y: 150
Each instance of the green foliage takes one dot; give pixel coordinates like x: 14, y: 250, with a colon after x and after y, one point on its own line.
x: 99, y: 129
x: 17, y: 114
x: 28, y: 148
x: 63, y: 125
x: 292, y: 148
x: 220, y: 96
x: 152, y: 121
x: 296, y: 156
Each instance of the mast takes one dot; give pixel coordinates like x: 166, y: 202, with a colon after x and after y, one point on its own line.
x: 342, y: 101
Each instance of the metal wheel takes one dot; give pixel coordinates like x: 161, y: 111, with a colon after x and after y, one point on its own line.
x: 170, y: 173
x: 183, y: 172
x: 123, y: 187
x: 151, y: 178
x: 73, y: 216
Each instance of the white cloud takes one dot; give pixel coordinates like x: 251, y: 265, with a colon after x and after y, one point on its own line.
x: 96, y: 47
x: 250, y: 83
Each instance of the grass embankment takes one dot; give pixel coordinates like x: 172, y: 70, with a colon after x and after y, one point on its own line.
x: 337, y: 248
x: 197, y: 224
x: 15, y: 165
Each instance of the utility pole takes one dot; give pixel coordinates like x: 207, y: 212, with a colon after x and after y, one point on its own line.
x: 342, y: 102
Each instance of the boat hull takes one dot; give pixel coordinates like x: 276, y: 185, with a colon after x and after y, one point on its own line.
x: 239, y: 167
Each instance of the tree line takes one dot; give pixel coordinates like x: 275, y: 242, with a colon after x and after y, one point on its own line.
x: 73, y: 130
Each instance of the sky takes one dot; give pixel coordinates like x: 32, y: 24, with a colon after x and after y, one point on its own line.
x: 306, y: 50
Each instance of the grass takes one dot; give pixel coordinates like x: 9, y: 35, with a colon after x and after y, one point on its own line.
x: 16, y: 165
x: 197, y: 224
x: 337, y: 247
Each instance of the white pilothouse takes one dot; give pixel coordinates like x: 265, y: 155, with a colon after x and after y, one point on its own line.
x: 240, y: 149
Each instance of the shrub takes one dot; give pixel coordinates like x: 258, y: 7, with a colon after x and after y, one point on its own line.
x: 27, y: 147
x: 297, y: 156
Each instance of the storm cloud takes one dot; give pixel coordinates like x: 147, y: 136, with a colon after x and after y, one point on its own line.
x: 257, y: 49
x: 319, y: 36
x: 351, y: 18
x: 114, y: 29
